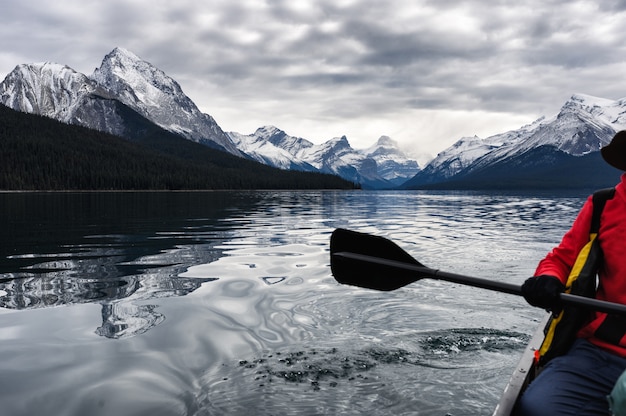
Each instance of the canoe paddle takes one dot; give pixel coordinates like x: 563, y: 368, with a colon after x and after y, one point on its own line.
x: 374, y: 262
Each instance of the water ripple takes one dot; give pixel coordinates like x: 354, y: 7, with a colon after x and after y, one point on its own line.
x: 218, y: 303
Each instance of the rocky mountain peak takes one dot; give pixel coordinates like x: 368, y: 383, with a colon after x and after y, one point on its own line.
x: 126, y: 74
x: 269, y: 132
x: 46, y: 88
x: 158, y: 97
x: 126, y: 81
x: 386, y: 141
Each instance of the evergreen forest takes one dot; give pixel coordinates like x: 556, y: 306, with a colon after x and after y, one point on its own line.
x: 39, y: 153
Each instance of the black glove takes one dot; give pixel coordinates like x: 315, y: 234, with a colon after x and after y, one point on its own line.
x: 543, y: 291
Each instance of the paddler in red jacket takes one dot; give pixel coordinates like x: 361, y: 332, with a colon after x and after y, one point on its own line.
x: 578, y: 382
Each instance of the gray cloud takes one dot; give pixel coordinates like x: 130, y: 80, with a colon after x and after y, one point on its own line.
x: 324, y: 68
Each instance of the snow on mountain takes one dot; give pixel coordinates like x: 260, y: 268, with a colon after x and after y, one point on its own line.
x: 59, y: 92
x: 583, y: 125
x: 159, y: 98
x: 125, y: 87
x: 273, y: 147
x: 336, y: 156
x: 383, y: 165
x: 598, y: 117
x: 467, y: 150
x: 296, y: 146
x: 392, y: 163
x: 47, y: 89
x: 332, y: 153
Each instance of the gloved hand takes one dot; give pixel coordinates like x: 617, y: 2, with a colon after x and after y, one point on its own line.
x: 543, y: 291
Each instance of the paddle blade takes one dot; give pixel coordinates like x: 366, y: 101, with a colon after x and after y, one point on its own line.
x: 369, y: 274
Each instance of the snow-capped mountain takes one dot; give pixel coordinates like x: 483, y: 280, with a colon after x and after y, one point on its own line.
x: 123, y: 79
x: 583, y: 125
x: 295, y: 146
x: 383, y: 165
x: 462, y: 154
x: 392, y: 163
x: 126, y: 92
x: 159, y: 98
x: 273, y: 147
x: 59, y: 92
x: 48, y: 89
x: 338, y: 157
x: 125, y: 88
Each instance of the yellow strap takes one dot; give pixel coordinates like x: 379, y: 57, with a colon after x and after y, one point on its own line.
x: 580, y: 262
x: 573, y: 276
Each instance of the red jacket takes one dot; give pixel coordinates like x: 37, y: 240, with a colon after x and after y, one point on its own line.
x: 612, y: 281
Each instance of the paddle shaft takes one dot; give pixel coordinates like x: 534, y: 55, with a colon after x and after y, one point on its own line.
x: 426, y: 272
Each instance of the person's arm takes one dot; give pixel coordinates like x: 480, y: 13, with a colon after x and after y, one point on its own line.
x: 560, y: 260
x: 544, y: 288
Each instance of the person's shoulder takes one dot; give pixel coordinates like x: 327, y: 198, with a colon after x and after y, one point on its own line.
x: 603, y: 194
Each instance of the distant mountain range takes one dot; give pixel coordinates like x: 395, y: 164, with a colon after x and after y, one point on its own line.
x: 557, y: 152
x: 383, y: 165
x: 124, y: 80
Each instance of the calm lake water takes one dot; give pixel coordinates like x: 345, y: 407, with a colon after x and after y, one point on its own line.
x: 222, y: 303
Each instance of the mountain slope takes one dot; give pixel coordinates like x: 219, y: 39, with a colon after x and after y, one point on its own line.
x: 273, y: 147
x: 337, y: 157
x: 125, y: 81
x: 551, y: 153
x: 59, y: 92
x: 544, y: 167
x: 382, y: 165
x: 39, y: 153
x: 159, y: 98
x: 392, y: 164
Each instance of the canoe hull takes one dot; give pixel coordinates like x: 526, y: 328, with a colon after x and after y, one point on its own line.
x: 523, y: 373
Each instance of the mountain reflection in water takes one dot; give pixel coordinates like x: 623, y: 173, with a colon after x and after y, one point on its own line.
x: 221, y: 303
x: 120, y: 316
x: 119, y: 249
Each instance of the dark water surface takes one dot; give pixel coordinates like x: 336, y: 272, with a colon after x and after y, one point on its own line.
x: 219, y: 303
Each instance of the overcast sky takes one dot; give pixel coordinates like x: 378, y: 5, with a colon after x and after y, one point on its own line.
x: 424, y: 72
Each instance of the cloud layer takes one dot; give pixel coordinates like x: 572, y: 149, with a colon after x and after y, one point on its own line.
x: 423, y: 72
